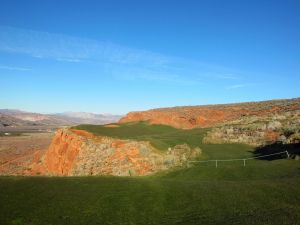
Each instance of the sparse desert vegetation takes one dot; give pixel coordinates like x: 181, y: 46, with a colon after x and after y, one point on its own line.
x: 19, y: 150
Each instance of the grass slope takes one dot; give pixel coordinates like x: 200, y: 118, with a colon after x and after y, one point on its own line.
x: 262, y: 193
x: 160, y: 136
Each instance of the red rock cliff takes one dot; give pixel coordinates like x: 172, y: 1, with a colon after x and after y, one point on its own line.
x: 62, y: 153
x: 77, y: 153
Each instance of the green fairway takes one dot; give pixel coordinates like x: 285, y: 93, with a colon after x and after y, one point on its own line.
x: 263, y: 192
x: 160, y: 136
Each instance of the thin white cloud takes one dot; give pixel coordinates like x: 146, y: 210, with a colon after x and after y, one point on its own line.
x: 236, y: 86
x: 118, y: 61
x: 69, y: 60
x: 156, y: 76
x: 14, y: 68
x: 228, y: 76
x: 62, y: 47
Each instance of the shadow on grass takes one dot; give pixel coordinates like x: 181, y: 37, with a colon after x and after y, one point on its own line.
x: 293, y: 150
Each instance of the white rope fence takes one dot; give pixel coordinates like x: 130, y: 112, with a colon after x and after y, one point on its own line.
x: 244, y: 160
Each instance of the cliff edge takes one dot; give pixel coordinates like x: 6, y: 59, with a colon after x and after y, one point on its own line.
x: 80, y: 153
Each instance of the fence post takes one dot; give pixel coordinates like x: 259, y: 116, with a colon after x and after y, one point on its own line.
x: 287, y: 153
x: 244, y: 162
x: 216, y: 163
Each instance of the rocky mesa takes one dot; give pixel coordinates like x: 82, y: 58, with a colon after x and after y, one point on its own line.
x: 79, y: 153
x: 188, y: 117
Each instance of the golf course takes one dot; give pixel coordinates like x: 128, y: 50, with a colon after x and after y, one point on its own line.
x: 262, y: 192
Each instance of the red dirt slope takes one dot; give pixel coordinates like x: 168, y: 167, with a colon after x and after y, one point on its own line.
x: 188, y: 117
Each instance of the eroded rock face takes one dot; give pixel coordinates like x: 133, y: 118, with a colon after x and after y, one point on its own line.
x: 212, y: 115
x: 61, y: 155
x: 78, y: 153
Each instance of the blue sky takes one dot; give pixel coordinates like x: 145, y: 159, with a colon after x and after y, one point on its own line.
x: 119, y: 56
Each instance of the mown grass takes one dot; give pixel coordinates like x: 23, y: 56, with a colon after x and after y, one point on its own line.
x: 160, y: 136
x: 262, y: 193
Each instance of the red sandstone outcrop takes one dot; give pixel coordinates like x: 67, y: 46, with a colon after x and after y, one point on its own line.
x: 211, y: 115
x: 62, y: 152
x: 77, y: 153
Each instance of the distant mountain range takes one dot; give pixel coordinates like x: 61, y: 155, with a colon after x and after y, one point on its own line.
x: 9, y: 117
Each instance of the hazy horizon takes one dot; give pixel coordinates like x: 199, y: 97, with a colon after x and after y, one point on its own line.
x: 108, y: 113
